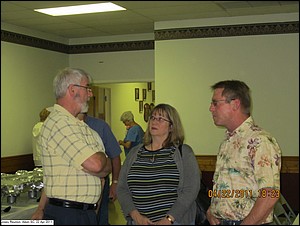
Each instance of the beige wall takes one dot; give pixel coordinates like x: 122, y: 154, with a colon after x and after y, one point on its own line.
x: 26, y: 88
x: 126, y: 66
x: 184, y: 70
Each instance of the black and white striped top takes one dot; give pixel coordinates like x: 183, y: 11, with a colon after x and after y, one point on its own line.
x: 153, y: 180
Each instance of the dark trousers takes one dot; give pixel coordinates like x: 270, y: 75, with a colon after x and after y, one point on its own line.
x: 230, y: 222
x: 103, y: 210
x: 69, y: 216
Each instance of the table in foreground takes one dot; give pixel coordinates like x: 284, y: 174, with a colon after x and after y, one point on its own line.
x: 22, y: 209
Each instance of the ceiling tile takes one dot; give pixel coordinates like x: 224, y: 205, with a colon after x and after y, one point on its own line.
x: 139, y: 17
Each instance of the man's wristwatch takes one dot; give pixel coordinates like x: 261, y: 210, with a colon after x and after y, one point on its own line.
x: 115, y: 181
x: 170, y: 219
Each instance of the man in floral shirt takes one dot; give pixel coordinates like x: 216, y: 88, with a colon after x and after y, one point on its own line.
x: 246, y: 182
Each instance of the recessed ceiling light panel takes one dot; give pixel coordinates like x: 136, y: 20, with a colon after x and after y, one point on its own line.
x: 81, y: 9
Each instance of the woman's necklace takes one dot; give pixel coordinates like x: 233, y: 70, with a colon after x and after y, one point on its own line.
x: 153, y: 156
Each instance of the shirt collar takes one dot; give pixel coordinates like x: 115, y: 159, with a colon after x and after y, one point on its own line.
x: 64, y: 111
x: 246, y: 125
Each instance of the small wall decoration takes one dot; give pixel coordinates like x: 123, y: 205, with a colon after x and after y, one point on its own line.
x: 153, y: 95
x: 146, y: 112
x: 151, y: 106
x: 144, y: 94
x: 137, y: 94
x: 141, y: 106
x: 149, y: 86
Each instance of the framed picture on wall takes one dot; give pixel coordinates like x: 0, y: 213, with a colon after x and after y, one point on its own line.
x: 137, y: 93
x: 144, y: 94
x: 149, y: 86
x: 141, y: 106
x: 151, y: 106
x: 146, y: 112
x: 153, y: 95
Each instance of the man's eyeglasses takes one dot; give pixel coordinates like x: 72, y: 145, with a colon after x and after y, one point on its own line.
x: 215, y: 102
x: 89, y: 89
x: 159, y: 119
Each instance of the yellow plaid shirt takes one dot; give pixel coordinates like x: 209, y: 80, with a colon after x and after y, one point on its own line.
x: 66, y: 143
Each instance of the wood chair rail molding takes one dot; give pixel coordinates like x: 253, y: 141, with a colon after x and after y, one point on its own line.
x: 13, y: 163
x: 289, y: 164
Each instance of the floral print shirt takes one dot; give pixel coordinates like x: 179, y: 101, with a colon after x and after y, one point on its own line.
x: 249, y: 159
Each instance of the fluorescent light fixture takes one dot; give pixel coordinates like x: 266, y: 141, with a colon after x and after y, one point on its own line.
x: 81, y: 9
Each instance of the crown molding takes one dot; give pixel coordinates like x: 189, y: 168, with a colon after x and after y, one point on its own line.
x: 8, y: 36
x: 165, y: 34
x: 111, y: 47
x: 26, y: 40
x: 228, y: 30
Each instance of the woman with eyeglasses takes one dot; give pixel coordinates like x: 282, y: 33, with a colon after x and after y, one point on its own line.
x: 160, y: 179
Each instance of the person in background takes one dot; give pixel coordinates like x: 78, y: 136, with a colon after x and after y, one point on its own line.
x: 113, y: 151
x: 73, y: 158
x: 246, y: 182
x: 35, y: 135
x: 134, y: 133
x: 160, y: 178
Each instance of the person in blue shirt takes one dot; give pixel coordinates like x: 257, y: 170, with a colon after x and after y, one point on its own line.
x: 135, y: 133
x: 113, y: 151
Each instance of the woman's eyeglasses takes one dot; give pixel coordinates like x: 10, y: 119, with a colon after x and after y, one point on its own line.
x: 159, y: 119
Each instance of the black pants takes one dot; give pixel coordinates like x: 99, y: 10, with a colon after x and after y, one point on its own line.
x: 230, y: 222
x: 69, y: 216
x: 103, y: 210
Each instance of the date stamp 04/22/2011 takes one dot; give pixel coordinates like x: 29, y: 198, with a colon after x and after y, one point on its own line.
x: 243, y: 193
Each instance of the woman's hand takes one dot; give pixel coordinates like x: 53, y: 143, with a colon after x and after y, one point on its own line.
x: 140, y: 219
x: 163, y: 221
x: 113, y: 192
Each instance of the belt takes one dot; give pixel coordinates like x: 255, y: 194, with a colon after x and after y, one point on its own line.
x: 72, y: 204
x: 229, y: 222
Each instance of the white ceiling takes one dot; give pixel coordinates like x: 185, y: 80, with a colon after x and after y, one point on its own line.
x: 138, y: 18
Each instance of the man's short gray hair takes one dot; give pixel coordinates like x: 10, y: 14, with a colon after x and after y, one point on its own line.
x: 67, y: 77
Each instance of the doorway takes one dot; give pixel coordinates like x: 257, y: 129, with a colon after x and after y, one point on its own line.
x: 100, y: 104
x: 120, y: 97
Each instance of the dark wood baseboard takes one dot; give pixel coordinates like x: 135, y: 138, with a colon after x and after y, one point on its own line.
x: 13, y: 163
x: 290, y: 164
x: 207, y: 163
